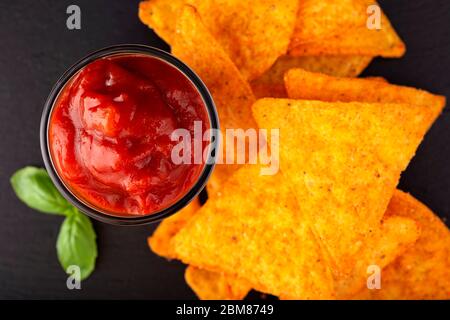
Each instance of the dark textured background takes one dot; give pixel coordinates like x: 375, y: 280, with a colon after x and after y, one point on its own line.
x: 36, y: 48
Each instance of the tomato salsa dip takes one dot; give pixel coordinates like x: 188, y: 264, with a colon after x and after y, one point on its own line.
x: 109, y: 134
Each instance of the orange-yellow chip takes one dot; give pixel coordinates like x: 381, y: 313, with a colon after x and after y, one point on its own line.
x: 301, y: 84
x: 209, y: 285
x: 161, y: 240
x: 323, y: 19
x: 254, y: 231
x: 233, y: 96
x: 423, y: 271
x: 271, y: 83
x: 253, y: 34
x: 381, y: 246
x: 340, y: 27
x: 206, y: 284
x: 161, y: 16
x: 344, y: 161
x: 376, y: 79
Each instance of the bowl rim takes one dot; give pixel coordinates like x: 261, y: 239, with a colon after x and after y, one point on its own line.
x: 196, y: 188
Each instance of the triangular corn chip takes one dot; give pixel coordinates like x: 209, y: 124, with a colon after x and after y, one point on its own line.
x: 423, y: 271
x: 161, y: 240
x: 233, y: 98
x: 301, y: 84
x: 257, y: 235
x: 232, y: 94
x: 271, y: 83
x: 394, y: 236
x: 344, y: 161
x: 161, y: 16
x: 206, y: 284
x: 253, y: 34
x: 339, y: 27
x: 381, y: 246
x: 209, y: 285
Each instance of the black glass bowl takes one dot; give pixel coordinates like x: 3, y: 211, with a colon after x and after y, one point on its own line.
x: 91, y: 210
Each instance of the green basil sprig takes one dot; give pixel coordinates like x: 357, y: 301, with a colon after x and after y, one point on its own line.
x: 76, y: 243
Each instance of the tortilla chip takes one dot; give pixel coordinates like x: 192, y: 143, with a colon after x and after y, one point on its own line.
x: 339, y: 27
x: 382, y: 246
x: 232, y: 94
x: 217, y: 179
x: 209, y: 285
x: 253, y: 35
x: 233, y: 97
x: 271, y: 83
x: 344, y: 161
x: 161, y: 240
x: 301, y: 84
x: 161, y: 16
x: 423, y: 271
x: 254, y: 231
x: 376, y: 79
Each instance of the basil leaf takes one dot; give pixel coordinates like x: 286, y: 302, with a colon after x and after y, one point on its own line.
x: 35, y: 188
x: 76, y: 243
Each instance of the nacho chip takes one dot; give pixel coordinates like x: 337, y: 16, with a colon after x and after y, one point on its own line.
x: 253, y: 34
x: 209, y: 285
x: 219, y: 176
x: 376, y: 79
x: 301, y: 84
x: 254, y: 231
x: 232, y: 94
x: 339, y: 27
x: 381, y: 246
x: 233, y: 97
x: 271, y: 83
x: 344, y: 161
x: 161, y: 16
x: 322, y: 19
x: 161, y: 240
x: 423, y: 271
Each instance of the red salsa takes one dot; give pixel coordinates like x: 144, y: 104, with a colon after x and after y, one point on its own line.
x: 110, y: 134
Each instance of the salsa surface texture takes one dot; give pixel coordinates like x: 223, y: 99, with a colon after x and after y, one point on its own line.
x: 110, y: 134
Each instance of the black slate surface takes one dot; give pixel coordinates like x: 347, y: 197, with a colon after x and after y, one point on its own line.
x: 35, y: 49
